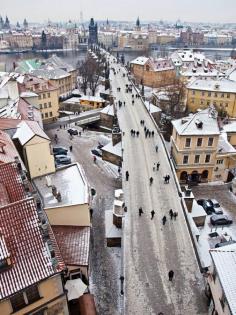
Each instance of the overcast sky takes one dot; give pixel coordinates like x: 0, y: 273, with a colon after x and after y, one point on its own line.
x: 63, y: 10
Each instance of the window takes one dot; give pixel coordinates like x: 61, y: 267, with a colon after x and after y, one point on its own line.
x: 46, y: 115
x: 39, y: 97
x: 216, y: 94
x: 49, y: 104
x: 17, y: 302
x: 45, y: 105
x: 44, y: 95
x: 228, y: 95
x: 40, y: 106
x: 210, y: 141
x: 219, y: 161
x: 193, y: 92
x: 208, y: 158
x: 185, y: 159
x: 42, y: 115
x: 50, y: 114
x: 203, y: 93
x: 187, y: 142
x: 226, y: 104
x: 32, y: 294
x: 222, y: 95
x: 202, y: 102
x: 209, y: 93
x: 48, y: 94
x: 25, y: 298
x: 197, y: 159
x: 199, y: 142
x: 208, y: 102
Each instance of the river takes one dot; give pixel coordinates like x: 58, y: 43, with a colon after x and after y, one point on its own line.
x: 72, y: 57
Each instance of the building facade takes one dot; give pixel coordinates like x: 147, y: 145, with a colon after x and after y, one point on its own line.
x: 220, y: 93
x: 153, y: 72
x: 199, y: 151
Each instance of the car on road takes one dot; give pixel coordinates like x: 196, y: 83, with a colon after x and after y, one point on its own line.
x: 96, y: 152
x: 220, y: 219
x: 216, y: 206
x: 59, y: 150
x: 73, y: 132
x: 207, y: 206
x: 200, y: 201
x: 62, y: 159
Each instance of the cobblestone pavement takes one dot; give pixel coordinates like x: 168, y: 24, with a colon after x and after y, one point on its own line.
x: 104, y: 261
x: 151, y: 249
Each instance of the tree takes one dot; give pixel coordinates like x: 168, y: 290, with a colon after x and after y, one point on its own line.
x: 90, y: 71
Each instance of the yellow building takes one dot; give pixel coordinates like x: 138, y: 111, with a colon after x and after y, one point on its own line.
x: 153, y: 72
x: 34, y: 147
x: 66, y: 196
x: 220, y: 93
x: 199, y: 152
x: 47, y: 101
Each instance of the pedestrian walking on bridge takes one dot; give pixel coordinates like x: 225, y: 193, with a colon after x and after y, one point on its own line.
x: 156, y: 148
x: 164, y: 219
x: 171, y: 275
x: 158, y: 165
x: 127, y: 175
x: 140, y: 211
x: 171, y: 213
x: 152, y: 214
x: 150, y: 180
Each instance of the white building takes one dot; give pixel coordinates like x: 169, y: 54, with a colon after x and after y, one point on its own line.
x: 221, y: 281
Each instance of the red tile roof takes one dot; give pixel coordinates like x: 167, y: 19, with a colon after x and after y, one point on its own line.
x: 73, y: 242
x: 30, y: 259
x: 9, y: 123
x: 11, y: 179
x: 9, y: 151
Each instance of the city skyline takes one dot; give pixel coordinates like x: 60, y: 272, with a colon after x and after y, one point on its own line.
x: 121, y: 11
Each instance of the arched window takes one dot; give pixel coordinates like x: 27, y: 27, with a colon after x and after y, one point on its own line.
x: 147, y: 68
x: 205, y: 174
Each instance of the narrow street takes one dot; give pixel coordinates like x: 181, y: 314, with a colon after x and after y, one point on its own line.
x: 104, y: 261
x: 151, y: 250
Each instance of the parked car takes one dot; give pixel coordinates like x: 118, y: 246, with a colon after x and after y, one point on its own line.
x: 225, y: 243
x: 200, y: 201
x: 216, y: 206
x: 96, y: 152
x: 59, y: 150
x: 220, y: 219
x: 73, y: 132
x: 207, y: 206
x: 62, y: 159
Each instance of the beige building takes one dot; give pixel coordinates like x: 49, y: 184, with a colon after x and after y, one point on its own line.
x: 220, y: 93
x: 199, y: 151
x: 47, y: 96
x: 221, y: 281
x: 133, y: 40
x: 34, y: 147
x: 19, y: 40
x: 153, y: 72
x: 66, y: 196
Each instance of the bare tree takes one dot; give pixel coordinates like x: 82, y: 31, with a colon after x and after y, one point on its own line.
x: 90, y: 71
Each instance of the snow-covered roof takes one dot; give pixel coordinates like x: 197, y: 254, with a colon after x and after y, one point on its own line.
x: 50, y: 73
x: 140, y: 61
x: 69, y: 181
x: 223, y: 85
x: 152, y: 108
x: 92, y: 98
x: 116, y: 149
x: 26, y: 130
x: 202, y: 123
x: 231, y: 127
x: 29, y: 256
x: 108, y: 110
x: 224, y: 260
x: 28, y: 94
x: 162, y: 96
x: 197, y: 210
x: 224, y: 146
